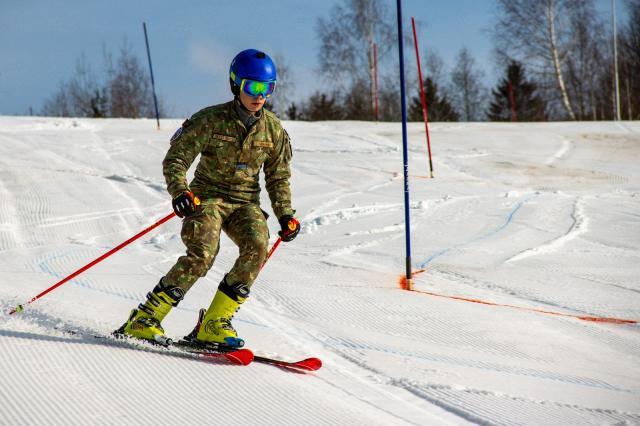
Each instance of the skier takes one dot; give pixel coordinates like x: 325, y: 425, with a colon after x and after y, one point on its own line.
x: 235, y: 140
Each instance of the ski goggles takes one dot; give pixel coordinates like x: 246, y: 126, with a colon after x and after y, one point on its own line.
x: 256, y: 88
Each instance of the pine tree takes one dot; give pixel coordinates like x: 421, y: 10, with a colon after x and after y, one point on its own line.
x: 515, y: 88
x: 438, y: 108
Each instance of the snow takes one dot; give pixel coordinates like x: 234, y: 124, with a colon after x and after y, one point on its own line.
x: 525, y: 228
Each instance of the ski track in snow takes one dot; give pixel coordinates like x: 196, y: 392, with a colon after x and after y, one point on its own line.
x: 541, y: 226
x: 579, y: 226
x: 561, y: 153
x: 487, y: 234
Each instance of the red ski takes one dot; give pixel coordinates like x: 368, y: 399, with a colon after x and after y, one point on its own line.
x: 246, y: 356
x: 238, y: 357
x: 235, y: 356
x: 309, y: 364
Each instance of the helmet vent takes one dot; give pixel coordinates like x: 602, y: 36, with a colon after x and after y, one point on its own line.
x: 260, y: 55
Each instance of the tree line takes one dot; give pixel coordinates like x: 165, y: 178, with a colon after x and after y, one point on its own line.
x: 556, y: 57
x: 121, y: 89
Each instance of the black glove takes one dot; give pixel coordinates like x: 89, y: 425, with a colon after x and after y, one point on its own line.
x: 290, y: 228
x: 185, y: 204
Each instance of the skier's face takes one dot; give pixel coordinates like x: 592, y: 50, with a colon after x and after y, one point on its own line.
x: 250, y: 103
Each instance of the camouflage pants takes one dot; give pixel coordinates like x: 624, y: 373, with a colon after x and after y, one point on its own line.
x: 245, y: 224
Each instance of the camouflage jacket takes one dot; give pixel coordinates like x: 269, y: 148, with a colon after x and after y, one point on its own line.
x: 231, y: 158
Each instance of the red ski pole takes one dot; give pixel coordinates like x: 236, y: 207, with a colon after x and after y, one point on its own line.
x: 293, y: 223
x: 275, y: 246
x: 20, y: 308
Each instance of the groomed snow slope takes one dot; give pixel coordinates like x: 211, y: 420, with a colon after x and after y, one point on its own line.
x: 544, y: 217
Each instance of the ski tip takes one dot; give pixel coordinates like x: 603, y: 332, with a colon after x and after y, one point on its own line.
x: 309, y: 364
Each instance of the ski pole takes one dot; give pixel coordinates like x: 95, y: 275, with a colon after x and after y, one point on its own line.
x: 275, y: 246
x: 293, y: 223
x: 20, y: 308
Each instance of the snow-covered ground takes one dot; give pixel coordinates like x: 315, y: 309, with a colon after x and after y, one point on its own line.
x: 536, y: 220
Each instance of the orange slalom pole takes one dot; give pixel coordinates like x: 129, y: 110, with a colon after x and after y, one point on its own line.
x: 422, y: 96
x: 20, y: 308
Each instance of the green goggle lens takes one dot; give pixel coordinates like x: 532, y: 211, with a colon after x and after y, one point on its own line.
x: 255, y: 88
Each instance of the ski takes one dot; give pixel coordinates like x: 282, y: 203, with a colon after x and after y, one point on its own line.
x: 236, y: 357
x: 309, y: 364
x: 241, y: 356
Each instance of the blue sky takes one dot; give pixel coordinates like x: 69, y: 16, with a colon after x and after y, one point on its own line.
x: 193, y: 42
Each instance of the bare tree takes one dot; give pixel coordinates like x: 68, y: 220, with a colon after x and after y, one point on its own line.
x: 467, y: 93
x: 58, y: 105
x: 85, y: 93
x: 587, y: 60
x: 347, y: 37
x: 81, y: 96
x: 434, y: 69
x: 630, y: 61
x: 285, y: 86
x: 123, y: 91
x: 389, y: 93
x: 538, y: 34
x: 129, y: 86
x: 554, y: 48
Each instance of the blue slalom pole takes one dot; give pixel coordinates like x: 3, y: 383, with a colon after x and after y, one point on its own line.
x: 153, y: 84
x: 405, y: 151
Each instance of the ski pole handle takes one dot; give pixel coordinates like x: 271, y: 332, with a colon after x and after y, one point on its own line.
x: 20, y: 308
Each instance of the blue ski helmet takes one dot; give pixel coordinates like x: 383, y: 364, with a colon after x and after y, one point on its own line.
x: 251, y: 64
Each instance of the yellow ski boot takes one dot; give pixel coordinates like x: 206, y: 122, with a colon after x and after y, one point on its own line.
x: 144, y: 322
x: 214, y: 330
